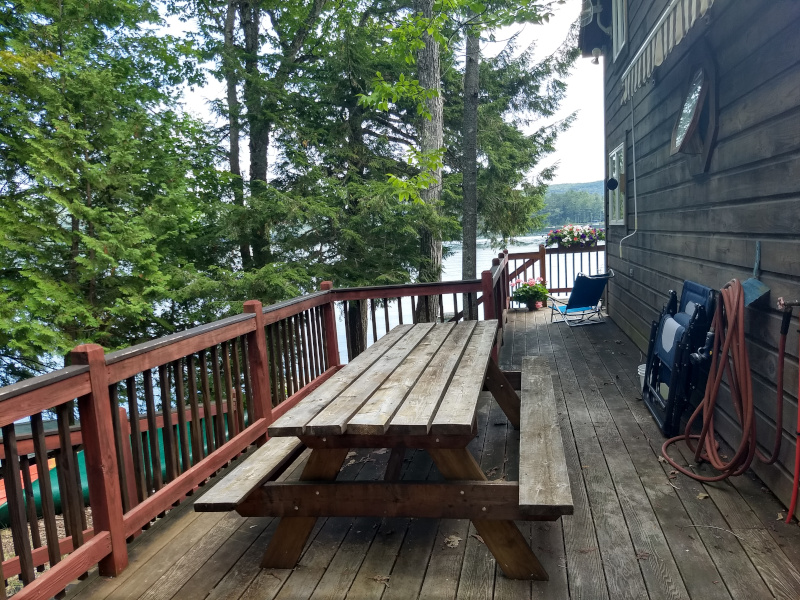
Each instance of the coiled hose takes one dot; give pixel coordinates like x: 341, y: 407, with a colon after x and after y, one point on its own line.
x: 729, y: 357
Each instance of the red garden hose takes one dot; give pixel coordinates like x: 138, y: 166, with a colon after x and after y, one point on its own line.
x: 729, y: 357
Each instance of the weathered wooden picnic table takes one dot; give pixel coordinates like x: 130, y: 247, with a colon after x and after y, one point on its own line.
x: 417, y: 387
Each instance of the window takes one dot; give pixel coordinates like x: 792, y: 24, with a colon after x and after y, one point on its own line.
x: 619, y: 25
x: 616, y: 197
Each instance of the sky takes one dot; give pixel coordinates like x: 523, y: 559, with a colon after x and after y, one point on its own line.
x: 579, y: 151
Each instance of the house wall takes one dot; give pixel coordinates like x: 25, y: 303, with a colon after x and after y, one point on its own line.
x: 704, y: 228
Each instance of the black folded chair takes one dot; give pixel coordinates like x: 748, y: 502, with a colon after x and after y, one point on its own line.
x: 672, y: 378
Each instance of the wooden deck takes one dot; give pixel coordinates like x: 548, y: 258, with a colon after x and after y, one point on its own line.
x: 638, y: 530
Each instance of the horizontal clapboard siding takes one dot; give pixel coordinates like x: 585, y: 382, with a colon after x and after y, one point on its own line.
x: 705, y: 228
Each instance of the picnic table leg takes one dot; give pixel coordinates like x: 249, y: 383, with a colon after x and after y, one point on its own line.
x: 503, y: 538
x: 395, y: 464
x: 503, y: 392
x: 290, y: 536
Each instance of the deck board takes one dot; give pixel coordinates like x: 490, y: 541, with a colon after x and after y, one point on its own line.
x: 636, y: 532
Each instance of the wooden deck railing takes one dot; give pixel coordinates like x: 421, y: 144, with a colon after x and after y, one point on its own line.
x: 557, y: 266
x: 156, y: 420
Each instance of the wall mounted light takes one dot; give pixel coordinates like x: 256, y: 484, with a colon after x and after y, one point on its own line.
x: 596, y: 52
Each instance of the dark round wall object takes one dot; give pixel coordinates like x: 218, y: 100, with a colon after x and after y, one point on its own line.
x: 612, y: 184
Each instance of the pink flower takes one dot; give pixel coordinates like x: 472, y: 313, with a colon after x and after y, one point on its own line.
x: 531, y: 281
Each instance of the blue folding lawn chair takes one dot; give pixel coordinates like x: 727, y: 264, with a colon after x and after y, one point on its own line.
x: 583, y: 306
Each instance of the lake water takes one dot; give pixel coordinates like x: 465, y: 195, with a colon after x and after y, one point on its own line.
x: 451, y: 271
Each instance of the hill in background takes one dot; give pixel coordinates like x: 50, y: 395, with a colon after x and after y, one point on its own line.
x: 578, y: 203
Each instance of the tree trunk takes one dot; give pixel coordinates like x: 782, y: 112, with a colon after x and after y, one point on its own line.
x: 234, y: 112
x: 431, y: 139
x: 469, y: 223
x: 357, y: 319
x: 259, y: 127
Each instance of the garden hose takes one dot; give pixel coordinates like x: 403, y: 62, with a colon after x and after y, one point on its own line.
x: 729, y: 357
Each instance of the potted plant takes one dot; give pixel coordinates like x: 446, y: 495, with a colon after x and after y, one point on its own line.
x: 532, y: 293
x: 571, y: 236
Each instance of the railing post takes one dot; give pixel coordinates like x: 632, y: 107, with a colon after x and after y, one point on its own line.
x: 543, y: 263
x: 331, y: 338
x: 101, y: 460
x: 489, y: 309
x: 259, y: 366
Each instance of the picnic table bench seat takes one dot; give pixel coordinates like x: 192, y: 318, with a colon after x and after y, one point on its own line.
x: 544, y: 489
x: 264, y: 464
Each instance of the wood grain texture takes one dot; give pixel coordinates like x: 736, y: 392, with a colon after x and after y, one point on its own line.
x: 456, y: 412
x: 334, y: 417
x: 416, y: 413
x: 374, y: 416
x: 259, y: 467
x: 294, y: 422
x: 544, y: 481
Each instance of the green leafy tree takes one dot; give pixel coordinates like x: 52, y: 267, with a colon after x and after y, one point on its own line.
x: 104, y: 183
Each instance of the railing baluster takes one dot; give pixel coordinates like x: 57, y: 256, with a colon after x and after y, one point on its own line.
x: 441, y: 307
x: 119, y: 440
x: 167, y: 433
x: 30, y: 504
x: 205, y: 390
x: 233, y: 422
x: 136, y: 440
x: 45, y: 490
x: 16, y: 505
x: 299, y: 356
x: 180, y: 406
x: 308, y: 368
x: 197, y: 436
x: 152, y: 430
x: 311, y: 331
x: 347, y: 333
x: 400, y: 310
x: 374, y: 321
x: 71, y: 502
x: 248, y: 384
x: 413, y: 310
x: 219, y: 418
x: 288, y: 359
x: 237, y: 373
x: 386, y: 313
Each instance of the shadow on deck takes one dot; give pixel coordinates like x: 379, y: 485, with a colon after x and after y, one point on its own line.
x: 639, y: 530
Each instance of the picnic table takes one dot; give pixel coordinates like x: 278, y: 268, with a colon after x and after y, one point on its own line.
x: 417, y: 387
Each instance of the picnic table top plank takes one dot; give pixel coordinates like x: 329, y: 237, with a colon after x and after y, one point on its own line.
x: 544, y: 481
x: 456, y: 413
x: 333, y: 419
x: 416, y: 413
x: 374, y: 416
x: 294, y: 421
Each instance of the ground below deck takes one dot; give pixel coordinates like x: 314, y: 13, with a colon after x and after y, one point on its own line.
x: 639, y: 530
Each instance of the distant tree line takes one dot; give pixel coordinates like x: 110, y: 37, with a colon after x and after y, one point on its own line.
x: 572, y: 206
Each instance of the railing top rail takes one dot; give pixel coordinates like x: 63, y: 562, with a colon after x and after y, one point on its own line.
x: 37, y: 383
x: 408, y: 289
x: 130, y: 361
x: 144, y: 347
x: 291, y: 302
x: 576, y: 249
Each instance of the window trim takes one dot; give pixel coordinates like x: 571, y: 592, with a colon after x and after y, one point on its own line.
x: 619, y: 20
x: 617, y: 198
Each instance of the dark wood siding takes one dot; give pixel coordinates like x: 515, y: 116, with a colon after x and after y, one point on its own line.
x: 705, y: 227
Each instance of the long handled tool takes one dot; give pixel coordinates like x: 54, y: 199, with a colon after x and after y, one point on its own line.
x: 754, y: 289
x: 786, y: 307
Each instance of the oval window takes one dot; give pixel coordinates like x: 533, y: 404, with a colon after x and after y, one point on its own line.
x: 690, y: 112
